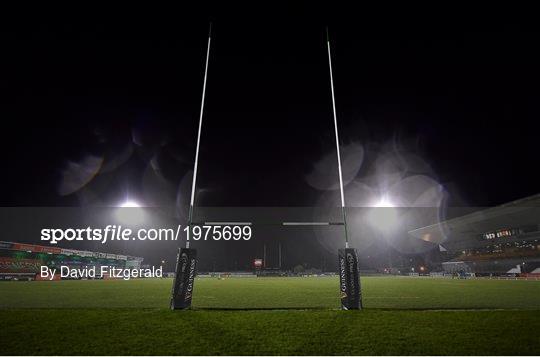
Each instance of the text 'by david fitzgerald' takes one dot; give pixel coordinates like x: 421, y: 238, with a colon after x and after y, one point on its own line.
x: 99, y: 272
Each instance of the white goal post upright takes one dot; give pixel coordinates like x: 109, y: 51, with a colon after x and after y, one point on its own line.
x: 186, y: 260
x: 194, y: 182
x: 344, y: 214
x: 349, y: 274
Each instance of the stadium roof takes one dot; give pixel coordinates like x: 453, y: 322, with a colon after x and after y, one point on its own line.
x: 515, y: 214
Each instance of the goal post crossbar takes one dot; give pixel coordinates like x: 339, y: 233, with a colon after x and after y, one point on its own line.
x: 234, y: 223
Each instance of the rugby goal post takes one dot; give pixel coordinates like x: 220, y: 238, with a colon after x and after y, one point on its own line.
x: 186, y: 262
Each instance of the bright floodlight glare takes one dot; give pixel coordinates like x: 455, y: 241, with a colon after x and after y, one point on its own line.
x: 130, y: 213
x: 130, y: 204
x: 384, y: 201
x: 383, y: 217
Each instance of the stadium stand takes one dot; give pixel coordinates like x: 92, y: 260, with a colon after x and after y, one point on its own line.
x: 498, y: 240
x: 23, y: 261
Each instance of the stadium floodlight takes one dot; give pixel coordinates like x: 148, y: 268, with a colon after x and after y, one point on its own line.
x: 130, y: 213
x: 130, y: 204
x: 384, y: 201
x: 384, y: 216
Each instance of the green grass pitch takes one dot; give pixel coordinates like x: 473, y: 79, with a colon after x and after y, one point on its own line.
x: 271, y: 316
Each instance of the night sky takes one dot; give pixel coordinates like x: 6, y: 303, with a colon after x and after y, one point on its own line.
x: 460, y: 93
